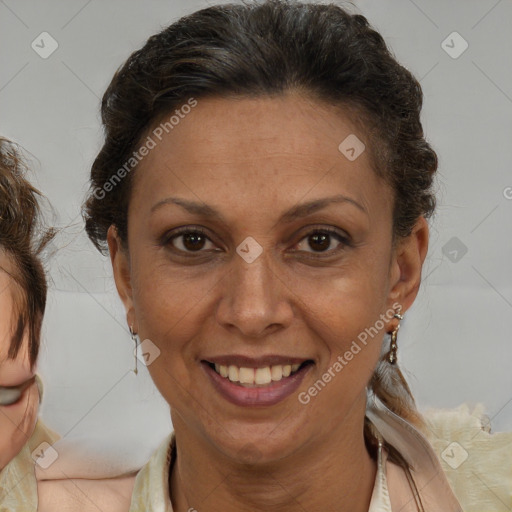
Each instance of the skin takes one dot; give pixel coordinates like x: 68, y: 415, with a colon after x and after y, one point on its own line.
x: 17, y: 421
x: 83, y: 495
x: 252, y: 160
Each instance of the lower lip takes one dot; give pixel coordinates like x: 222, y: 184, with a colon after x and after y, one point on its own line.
x: 257, y: 396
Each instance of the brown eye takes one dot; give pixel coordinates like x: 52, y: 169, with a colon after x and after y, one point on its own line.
x: 193, y: 241
x: 190, y: 240
x: 321, y: 241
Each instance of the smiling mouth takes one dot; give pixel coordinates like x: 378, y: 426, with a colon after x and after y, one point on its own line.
x: 257, y: 377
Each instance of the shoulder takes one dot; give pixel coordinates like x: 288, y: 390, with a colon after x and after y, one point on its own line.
x: 85, y: 474
x: 477, y: 462
x: 151, y: 489
x: 421, y: 472
x: 112, y: 494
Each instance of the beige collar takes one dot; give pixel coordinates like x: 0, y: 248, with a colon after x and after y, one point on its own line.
x: 18, y: 486
x: 393, y: 491
x: 426, y: 484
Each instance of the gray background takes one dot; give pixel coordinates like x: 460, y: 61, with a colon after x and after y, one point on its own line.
x: 455, y: 341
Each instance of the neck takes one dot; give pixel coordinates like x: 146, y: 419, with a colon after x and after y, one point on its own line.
x: 332, y: 472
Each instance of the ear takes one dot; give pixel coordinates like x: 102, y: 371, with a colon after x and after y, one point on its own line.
x: 406, y: 264
x: 122, y: 274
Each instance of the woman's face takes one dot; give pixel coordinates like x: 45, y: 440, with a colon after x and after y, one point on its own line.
x: 17, y: 421
x: 294, y: 261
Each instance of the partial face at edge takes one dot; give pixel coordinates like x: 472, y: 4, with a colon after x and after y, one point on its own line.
x: 307, y: 296
x: 17, y: 421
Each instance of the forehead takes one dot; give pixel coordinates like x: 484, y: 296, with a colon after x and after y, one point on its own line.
x: 291, y: 125
x: 283, y: 148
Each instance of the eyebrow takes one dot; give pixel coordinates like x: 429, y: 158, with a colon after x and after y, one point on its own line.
x: 296, y: 212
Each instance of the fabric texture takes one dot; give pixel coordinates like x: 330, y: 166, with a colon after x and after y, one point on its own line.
x: 477, y: 463
x: 95, y: 458
x: 458, y: 466
x: 18, y: 486
x: 151, y: 491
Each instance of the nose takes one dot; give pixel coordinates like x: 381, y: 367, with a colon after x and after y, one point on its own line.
x: 255, y: 299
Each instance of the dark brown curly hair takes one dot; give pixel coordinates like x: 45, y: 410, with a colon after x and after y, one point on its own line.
x: 22, y: 238
x: 269, y: 48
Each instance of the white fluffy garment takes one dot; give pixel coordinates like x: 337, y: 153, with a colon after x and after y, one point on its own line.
x: 477, y: 463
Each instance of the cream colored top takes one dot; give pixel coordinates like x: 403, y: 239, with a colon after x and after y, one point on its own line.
x: 151, y: 488
x: 18, y: 486
x: 460, y: 452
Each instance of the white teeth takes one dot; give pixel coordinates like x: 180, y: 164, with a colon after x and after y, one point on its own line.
x: 233, y: 373
x: 262, y: 376
x: 256, y: 376
x: 276, y: 372
x: 246, y: 375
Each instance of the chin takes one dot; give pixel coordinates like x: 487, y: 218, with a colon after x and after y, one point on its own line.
x: 258, y: 443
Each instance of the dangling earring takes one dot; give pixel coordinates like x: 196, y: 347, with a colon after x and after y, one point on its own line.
x: 134, y: 338
x: 394, y: 334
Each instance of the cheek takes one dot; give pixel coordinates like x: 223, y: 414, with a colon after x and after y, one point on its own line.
x: 347, y: 301
x: 353, y: 340
x: 170, y: 313
x: 17, y: 424
x: 347, y: 313
x: 169, y: 301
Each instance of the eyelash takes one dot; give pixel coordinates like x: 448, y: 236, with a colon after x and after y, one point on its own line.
x: 344, y: 240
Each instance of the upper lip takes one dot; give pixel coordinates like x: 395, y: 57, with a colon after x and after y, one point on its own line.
x: 254, y: 362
